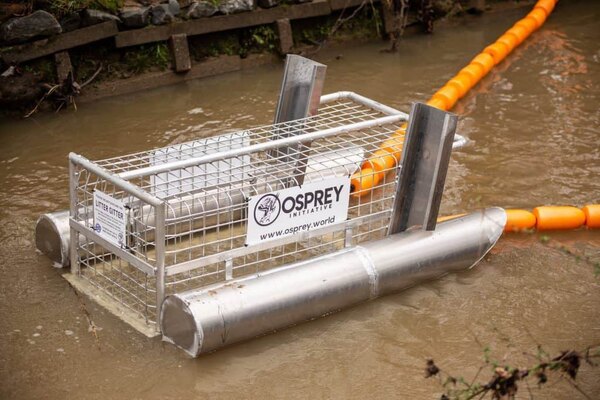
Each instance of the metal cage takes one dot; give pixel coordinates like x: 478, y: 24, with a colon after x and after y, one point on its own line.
x: 186, y: 204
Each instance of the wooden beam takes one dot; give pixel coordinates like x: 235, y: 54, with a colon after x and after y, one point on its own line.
x: 341, y: 4
x: 222, y: 23
x: 208, y: 67
x: 44, y: 47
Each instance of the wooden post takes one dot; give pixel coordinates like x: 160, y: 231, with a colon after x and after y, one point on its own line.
x: 63, y: 65
x: 387, y: 16
x: 284, y: 31
x: 180, y: 52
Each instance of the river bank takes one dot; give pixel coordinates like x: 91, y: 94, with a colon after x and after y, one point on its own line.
x: 105, y: 52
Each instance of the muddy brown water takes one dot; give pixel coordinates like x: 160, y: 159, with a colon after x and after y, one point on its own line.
x: 534, y: 133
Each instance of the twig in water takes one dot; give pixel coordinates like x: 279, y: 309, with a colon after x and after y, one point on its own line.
x: 91, y: 326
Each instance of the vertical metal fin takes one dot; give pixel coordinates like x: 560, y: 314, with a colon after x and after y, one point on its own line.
x: 301, y: 90
x: 423, y: 168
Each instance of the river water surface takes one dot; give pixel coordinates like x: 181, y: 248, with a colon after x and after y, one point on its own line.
x: 533, y: 126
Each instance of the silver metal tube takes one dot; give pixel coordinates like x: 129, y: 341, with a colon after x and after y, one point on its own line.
x: 204, y: 320
x: 52, y: 236
x: 272, y: 144
x: 159, y: 217
x: 117, y: 180
x: 70, y: 254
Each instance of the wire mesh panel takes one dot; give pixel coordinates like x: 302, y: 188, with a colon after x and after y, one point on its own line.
x: 186, y: 205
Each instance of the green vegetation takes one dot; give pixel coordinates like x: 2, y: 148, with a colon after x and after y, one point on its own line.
x: 109, y: 5
x: 571, y: 251
x: 43, y: 67
x: 258, y: 39
x: 505, y: 380
x: 146, y: 57
x: 213, y: 45
x: 313, y: 35
x: 363, y: 23
x: 63, y: 7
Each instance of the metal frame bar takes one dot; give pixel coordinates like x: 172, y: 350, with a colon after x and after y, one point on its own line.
x: 73, y: 211
x: 129, y: 257
x: 365, y: 101
x: 115, y: 179
x: 242, y: 251
x: 159, y: 217
x: 393, y: 115
x: 258, y: 147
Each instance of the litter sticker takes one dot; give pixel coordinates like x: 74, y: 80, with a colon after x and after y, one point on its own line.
x: 297, y: 209
x: 110, y: 220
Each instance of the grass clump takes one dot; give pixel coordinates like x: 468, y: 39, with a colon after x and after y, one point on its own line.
x: 64, y: 7
x: 146, y: 57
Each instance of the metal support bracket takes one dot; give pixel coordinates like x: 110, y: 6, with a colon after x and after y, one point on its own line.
x: 228, y: 269
x: 348, y: 236
x: 422, y: 170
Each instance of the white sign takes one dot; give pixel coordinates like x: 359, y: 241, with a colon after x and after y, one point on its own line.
x: 110, y: 218
x: 297, y: 209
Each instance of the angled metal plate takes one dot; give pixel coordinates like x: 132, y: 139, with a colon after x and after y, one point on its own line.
x: 301, y: 90
x: 423, y: 168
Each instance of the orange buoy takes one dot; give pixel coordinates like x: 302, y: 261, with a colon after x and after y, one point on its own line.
x: 528, y: 24
x: 592, y: 215
x: 558, y: 217
x: 450, y: 94
x: 519, y: 32
x: 394, y: 145
x: 467, y: 77
x: 519, y: 220
x: 510, y: 40
x: 437, y: 103
x: 462, y: 84
x: 535, y: 22
x: 382, y: 162
x: 546, y: 5
x: 449, y: 217
x: 539, y: 15
x: 485, y: 60
x: 498, y: 51
x: 475, y: 72
x: 441, y: 100
x: 363, y: 181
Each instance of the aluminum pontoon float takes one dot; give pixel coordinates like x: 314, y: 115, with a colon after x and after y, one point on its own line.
x: 226, y: 238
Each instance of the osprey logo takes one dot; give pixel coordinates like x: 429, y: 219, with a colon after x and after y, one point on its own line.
x: 267, y: 210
